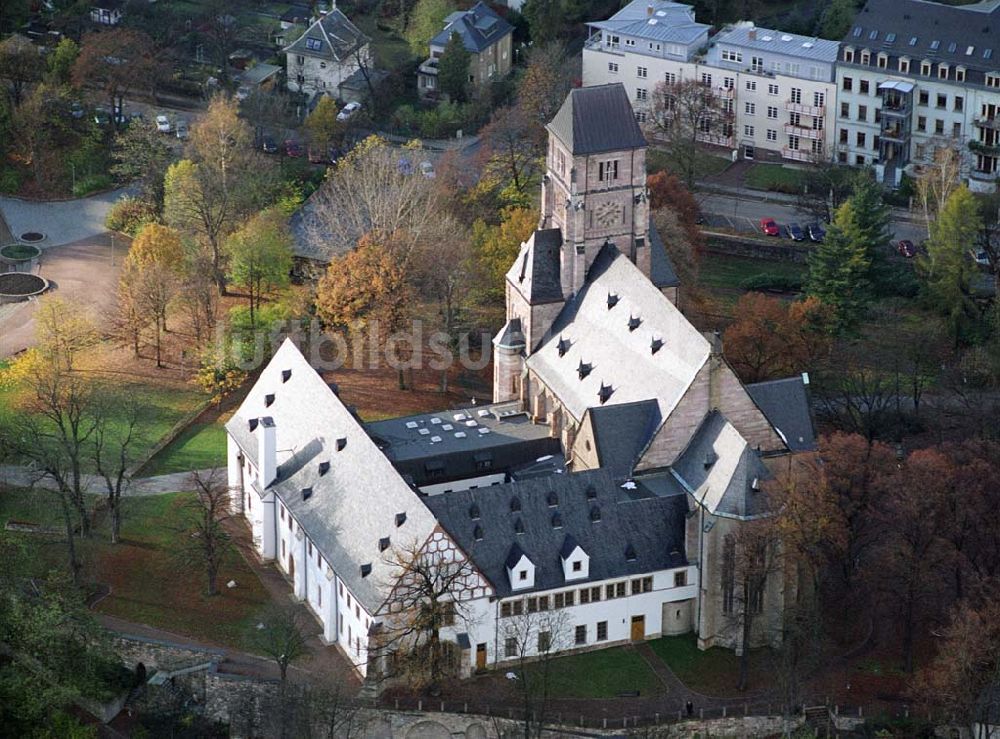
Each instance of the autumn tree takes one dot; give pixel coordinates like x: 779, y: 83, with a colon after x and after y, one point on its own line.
x: 935, y: 182
x: 322, y: 126
x: 512, y: 160
x: 772, y: 338
x: 153, y: 269
x: 63, y: 329
x: 21, y: 65
x: 680, y: 115
x: 453, y: 69
x: 141, y: 156
x: 549, y: 73
x: 260, y: 257
x: 947, y: 270
x: 203, y: 538
x: 61, y: 61
x: 224, y: 32
x: 495, y: 248
x: 425, y: 23
x: 119, y: 61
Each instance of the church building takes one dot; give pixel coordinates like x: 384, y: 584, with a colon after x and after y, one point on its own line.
x: 594, y: 501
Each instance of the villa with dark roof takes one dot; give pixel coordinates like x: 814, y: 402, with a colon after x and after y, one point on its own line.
x: 485, y: 35
x: 594, y: 502
x: 328, y: 57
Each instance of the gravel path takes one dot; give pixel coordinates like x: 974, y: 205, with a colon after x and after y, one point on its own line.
x: 23, y: 477
x: 62, y: 222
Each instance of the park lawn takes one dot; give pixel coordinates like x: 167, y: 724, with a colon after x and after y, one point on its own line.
x: 604, y: 673
x: 148, y: 584
x: 721, y: 271
x: 712, y: 164
x: 714, y: 671
x: 775, y: 177
x: 391, y: 50
x: 200, y: 446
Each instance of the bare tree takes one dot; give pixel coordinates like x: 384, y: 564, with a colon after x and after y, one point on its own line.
x: 280, y: 635
x: 203, y: 540
x: 63, y: 329
x: 686, y: 113
x: 936, y: 181
x: 113, y: 449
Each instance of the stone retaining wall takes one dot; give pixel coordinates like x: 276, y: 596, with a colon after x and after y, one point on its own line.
x: 775, y: 249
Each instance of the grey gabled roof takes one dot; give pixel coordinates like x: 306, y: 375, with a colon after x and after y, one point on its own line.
x: 331, y: 37
x: 354, y: 503
x: 748, y: 36
x: 653, y: 526
x: 786, y: 404
x: 511, y: 336
x: 718, y: 467
x: 536, y: 271
x: 593, y: 120
x: 954, y: 29
x: 621, y: 432
x: 479, y: 28
x: 662, y: 272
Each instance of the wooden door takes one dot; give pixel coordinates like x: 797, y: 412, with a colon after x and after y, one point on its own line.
x: 638, y: 628
x: 480, y: 656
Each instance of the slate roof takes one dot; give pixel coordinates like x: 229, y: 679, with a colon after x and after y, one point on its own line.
x: 619, y: 358
x: 536, y: 271
x: 500, y: 436
x: 331, y: 37
x: 718, y: 468
x: 621, y: 432
x: 786, y: 404
x: 653, y: 526
x: 310, y: 239
x: 778, y: 42
x: 479, y: 27
x: 662, y: 271
x: 939, y: 32
x: 511, y: 336
x: 597, y: 119
x: 673, y: 22
x: 296, y: 14
x: 355, y: 502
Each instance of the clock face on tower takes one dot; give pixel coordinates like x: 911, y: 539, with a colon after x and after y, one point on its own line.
x: 606, y: 213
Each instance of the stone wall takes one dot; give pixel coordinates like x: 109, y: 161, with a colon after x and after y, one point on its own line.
x: 776, y: 249
x: 161, y: 655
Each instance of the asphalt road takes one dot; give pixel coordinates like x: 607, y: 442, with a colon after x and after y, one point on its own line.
x: 743, y: 215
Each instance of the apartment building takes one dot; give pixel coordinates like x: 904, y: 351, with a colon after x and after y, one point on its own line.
x: 912, y: 76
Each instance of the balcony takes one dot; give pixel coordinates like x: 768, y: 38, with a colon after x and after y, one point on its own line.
x: 984, y: 176
x: 980, y: 147
x: 798, y: 155
x: 816, y: 111
x: 725, y: 93
x: 987, y: 122
x: 897, y: 110
x: 806, y: 133
x: 718, y: 139
x: 896, y: 133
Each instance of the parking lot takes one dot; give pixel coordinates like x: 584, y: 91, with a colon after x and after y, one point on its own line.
x: 739, y: 224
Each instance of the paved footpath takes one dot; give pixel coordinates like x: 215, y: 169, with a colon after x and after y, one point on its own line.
x: 24, y: 477
x: 62, y: 221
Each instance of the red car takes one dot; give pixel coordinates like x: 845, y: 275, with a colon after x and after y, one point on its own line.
x: 769, y: 227
x: 293, y: 148
x: 906, y: 248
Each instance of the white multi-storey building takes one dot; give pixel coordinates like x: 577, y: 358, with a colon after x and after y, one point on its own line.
x: 914, y: 75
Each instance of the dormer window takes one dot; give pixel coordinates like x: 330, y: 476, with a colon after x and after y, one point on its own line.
x: 849, y: 55
x: 563, y: 346
x: 366, y: 570
x: 324, y: 467
x: 400, y: 519
x: 286, y: 375
x: 883, y: 61
x: 904, y: 65
x: 474, y: 512
x: 942, y: 71
x: 630, y: 555
x: 583, y: 369
x: 522, y: 575
x: 655, y: 345
x: 960, y: 74
x: 383, y: 543
x: 634, y: 322
x: 612, y: 300
x: 866, y: 57
x: 515, y: 505
x: 925, y: 68
x: 552, y: 500
x: 604, y: 394
x: 577, y: 565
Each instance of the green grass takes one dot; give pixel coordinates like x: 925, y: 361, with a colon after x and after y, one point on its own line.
x: 713, y: 671
x: 775, y: 177
x: 720, y: 271
x: 198, y: 447
x: 19, y: 251
x: 604, y: 673
x: 391, y: 50
x: 711, y: 164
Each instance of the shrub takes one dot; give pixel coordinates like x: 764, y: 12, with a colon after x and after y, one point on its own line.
x: 129, y: 215
x: 10, y: 182
x: 772, y: 281
x: 91, y: 183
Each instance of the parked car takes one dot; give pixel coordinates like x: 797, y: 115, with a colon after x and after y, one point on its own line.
x: 906, y: 248
x: 293, y: 148
x: 101, y: 116
x: 816, y: 232
x: 980, y: 257
x: 76, y: 110
x: 769, y: 227
x: 794, y: 232
x: 404, y: 167
x: 163, y: 124
x: 349, y: 110
x: 269, y: 145
x: 427, y: 170
x: 181, y: 129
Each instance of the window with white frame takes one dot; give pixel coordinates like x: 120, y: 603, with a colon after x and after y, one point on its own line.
x: 866, y: 57
x: 904, y: 65
x: 772, y: 135
x: 772, y: 111
x: 752, y: 85
x: 728, y: 82
x: 641, y: 72
x: 706, y: 79
x: 670, y: 78
x: 748, y: 130
x: 731, y: 55
x: 641, y: 94
x: 796, y: 95
x: 772, y: 89
x: 757, y: 64
x: 819, y: 99
x: 613, y: 67
x: 630, y: 42
x: 750, y: 108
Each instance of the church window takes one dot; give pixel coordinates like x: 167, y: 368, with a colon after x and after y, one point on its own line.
x: 602, y: 630
x: 728, y: 574
x: 607, y: 170
x: 680, y: 579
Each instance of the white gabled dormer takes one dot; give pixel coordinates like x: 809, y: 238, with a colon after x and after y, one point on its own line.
x: 575, y: 561
x: 520, y: 569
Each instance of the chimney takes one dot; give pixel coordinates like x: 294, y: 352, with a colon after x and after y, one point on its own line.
x: 752, y: 34
x: 649, y: 9
x: 267, y: 452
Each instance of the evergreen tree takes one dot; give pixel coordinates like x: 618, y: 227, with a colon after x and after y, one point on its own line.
x: 546, y: 20
x: 453, y: 69
x: 947, y: 269
x: 839, y: 270
x: 835, y: 21
x: 871, y: 219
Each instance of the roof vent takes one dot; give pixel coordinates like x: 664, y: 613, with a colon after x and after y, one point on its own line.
x: 583, y: 369
x: 656, y: 345
x: 268, y: 400
x: 366, y: 569
x: 556, y: 521
x: 518, y: 527
x: 711, y: 458
x: 341, y: 443
x: 786, y: 37
x: 383, y: 543
x: 253, y: 424
x: 515, y: 505
x: 595, y: 514
x: 591, y: 493
x: 633, y: 323
x: 286, y: 375
x: 474, y: 512
x: 604, y: 394
x: 307, y: 493
x: 562, y: 346
x: 477, y: 533
x: 630, y: 553
x: 612, y: 300
x: 324, y: 467
x: 400, y: 519
x: 552, y: 499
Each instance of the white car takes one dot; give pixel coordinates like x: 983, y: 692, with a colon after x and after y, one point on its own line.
x: 427, y: 170
x: 163, y: 124
x: 349, y: 110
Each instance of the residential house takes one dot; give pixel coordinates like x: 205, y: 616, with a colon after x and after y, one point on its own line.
x: 915, y: 75
x: 487, y: 38
x: 594, y: 502
x: 107, y: 12
x: 331, y: 52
